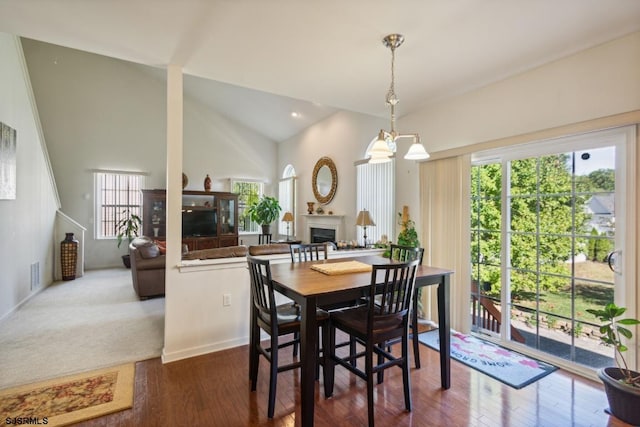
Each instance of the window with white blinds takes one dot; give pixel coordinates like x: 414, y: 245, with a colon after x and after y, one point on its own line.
x: 286, y: 193
x: 286, y: 197
x: 116, y: 194
x: 375, y: 193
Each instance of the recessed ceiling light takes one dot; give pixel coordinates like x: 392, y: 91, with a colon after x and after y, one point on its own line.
x: 295, y: 114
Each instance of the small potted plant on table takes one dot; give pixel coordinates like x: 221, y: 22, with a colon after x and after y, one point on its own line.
x: 264, y: 212
x: 622, y: 385
x: 128, y: 227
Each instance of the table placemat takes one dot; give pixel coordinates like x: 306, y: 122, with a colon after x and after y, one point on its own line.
x: 342, y: 267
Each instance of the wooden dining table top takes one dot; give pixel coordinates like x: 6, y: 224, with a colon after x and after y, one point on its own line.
x: 303, y: 280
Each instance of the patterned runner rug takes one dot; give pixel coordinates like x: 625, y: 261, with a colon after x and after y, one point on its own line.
x: 509, y: 367
x: 70, y: 399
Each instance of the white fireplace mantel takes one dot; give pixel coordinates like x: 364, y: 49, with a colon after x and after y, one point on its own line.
x: 331, y: 222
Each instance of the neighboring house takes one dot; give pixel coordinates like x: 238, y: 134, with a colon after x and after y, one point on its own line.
x: 601, y: 207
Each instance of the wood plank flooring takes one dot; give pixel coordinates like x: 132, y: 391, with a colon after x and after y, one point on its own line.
x: 214, y: 390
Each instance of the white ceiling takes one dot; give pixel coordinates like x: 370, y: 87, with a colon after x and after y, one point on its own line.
x: 265, y: 57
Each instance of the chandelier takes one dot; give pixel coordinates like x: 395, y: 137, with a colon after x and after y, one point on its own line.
x: 381, y: 151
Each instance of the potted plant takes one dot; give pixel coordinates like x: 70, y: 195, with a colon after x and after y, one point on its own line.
x: 264, y: 212
x: 128, y: 227
x: 622, y: 385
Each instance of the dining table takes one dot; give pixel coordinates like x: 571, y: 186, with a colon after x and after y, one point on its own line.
x: 311, y: 288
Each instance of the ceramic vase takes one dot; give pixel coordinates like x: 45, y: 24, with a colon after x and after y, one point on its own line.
x: 69, y: 256
x: 310, y: 207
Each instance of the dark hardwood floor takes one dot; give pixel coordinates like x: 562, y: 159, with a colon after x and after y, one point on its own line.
x: 214, y: 390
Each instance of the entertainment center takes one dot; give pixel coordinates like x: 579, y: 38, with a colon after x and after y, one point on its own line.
x: 209, y: 218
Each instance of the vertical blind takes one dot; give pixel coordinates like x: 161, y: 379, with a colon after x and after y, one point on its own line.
x: 375, y: 193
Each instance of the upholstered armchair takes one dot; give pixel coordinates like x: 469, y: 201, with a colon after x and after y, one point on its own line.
x: 147, y: 267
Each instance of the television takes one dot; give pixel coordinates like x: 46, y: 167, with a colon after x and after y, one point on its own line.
x: 199, y: 223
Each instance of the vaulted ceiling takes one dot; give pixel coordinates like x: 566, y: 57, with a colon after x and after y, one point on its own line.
x: 257, y: 61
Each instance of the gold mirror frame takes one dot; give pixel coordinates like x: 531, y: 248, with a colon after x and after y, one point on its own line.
x: 325, y: 161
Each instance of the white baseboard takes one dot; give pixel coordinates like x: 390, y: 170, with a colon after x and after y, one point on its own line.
x: 201, y: 350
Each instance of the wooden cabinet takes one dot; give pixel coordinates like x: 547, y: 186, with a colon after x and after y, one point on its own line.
x: 209, y: 219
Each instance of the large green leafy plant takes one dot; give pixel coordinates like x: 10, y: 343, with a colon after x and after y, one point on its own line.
x: 265, y: 211
x: 612, y: 333
x: 128, y: 227
x: 408, y: 236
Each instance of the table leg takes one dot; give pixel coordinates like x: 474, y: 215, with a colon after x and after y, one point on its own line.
x: 308, y: 355
x: 444, y: 330
x: 414, y: 329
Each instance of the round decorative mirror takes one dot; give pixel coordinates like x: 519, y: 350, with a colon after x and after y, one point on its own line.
x: 324, y: 180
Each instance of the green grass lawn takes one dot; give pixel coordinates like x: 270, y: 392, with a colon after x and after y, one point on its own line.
x: 587, y: 294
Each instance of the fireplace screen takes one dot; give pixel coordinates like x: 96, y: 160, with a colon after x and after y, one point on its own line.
x: 321, y: 235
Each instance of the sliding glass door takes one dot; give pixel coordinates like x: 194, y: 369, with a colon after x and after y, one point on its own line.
x: 545, y: 220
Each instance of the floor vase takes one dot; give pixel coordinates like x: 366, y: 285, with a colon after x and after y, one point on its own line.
x: 69, y: 256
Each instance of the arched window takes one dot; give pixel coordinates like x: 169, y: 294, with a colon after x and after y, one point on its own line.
x: 286, y: 197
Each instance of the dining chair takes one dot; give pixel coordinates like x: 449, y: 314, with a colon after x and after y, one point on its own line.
x: 382, y: 320
x: 275, y: 320
x: 308, y: 251
x: 264, y: 239
x: 404, y: 254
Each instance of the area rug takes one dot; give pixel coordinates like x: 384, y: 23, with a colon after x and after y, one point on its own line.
x: 70, y: 399
x: 509, y: 367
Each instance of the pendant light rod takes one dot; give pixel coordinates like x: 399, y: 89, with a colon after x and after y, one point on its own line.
x: 380, y: 152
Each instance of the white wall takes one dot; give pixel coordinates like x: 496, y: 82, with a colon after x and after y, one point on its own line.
x: 103, y: 113
x: 343, y: 137
x: 26, y: 223
x: 597, y: 82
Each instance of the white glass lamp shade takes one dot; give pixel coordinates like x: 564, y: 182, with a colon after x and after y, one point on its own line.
x: 380, y: 152
x: 416, y: 152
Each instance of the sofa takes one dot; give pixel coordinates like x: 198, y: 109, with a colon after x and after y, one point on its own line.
x: 215, y: 253
x: 270, y: 249
x: 148, y: 261
x: 147, y: 267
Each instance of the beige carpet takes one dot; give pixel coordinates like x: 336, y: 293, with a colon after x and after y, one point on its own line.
x: 70, y: 399
x: 92, y: 322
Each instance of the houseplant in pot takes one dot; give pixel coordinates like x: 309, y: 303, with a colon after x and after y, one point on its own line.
x: 264, y: 212
x: 622, y: 385
x: 127, y: 228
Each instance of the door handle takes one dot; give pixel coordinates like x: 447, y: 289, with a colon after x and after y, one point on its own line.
x: 611, y: 260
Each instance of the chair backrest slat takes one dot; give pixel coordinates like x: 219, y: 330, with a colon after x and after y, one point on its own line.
x: 393, y: 283
x: 262, y: 293
x: 406, y: 253
x: 308, y: 252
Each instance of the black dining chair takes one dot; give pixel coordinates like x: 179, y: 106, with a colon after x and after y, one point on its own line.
x: 275, y: 320
x: 308, y: 251
x: 383, y: 319
x: 264, y: 239
x: 404, y: 254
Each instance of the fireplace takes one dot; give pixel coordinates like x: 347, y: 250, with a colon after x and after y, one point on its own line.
x: 321, y: 235
x: 328, y: 228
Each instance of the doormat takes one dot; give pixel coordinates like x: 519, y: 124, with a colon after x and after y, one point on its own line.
x: 504, y: 365
x: 71, y: 399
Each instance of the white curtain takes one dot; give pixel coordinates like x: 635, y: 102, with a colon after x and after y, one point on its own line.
x: 375, y: 193
x: 445, y: 205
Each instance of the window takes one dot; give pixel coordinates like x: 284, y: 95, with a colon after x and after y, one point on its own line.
x: 375, y: 192
x: 544, y: 217
x: 115, y: 193
x: 248, y: 192
x: 286, y: 197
